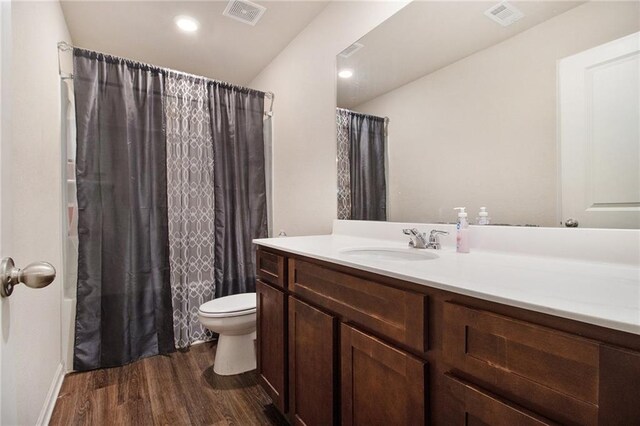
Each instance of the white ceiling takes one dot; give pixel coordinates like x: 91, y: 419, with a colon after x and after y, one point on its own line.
x: 222, y: 48
x: 426, y: 36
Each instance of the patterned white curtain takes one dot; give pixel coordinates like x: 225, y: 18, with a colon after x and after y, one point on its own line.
x: 344, y: 169
x: 190, y: 204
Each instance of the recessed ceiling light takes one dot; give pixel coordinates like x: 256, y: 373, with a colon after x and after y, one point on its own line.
x: 186, y: 23
x: 345, y: 74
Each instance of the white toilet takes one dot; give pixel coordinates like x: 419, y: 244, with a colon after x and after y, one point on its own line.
x: 234, y: 319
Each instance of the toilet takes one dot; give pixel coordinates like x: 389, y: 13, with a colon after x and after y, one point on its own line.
x: 234, y: 319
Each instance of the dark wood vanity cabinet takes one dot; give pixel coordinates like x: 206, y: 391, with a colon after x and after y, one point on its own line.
x: 342, y: 346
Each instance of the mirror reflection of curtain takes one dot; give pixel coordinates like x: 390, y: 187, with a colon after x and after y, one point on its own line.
x: 344, y: 173
x: 362, y: 191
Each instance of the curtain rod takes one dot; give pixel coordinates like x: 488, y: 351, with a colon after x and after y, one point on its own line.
x: 385, y: 118
x: 63, y: 46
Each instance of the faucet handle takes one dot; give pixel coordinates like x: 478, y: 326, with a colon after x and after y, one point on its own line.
x: 436, y: 232
x: 410, y: 231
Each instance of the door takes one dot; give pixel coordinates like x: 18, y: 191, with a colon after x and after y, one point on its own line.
x: 3, y: 78
x: 599, y: 106
x: 313, y: 365
x: 30, y: 207
x: 380, y: 385
x: 271, y: 331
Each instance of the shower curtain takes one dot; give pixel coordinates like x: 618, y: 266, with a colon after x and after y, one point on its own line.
x: 171, y: 191
x: 240, y: 187
x: 191, y: 202
x: 124, y: 300
x: 362, y: 190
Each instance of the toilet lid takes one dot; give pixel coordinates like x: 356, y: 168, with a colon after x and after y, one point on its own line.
x: 230, y: 305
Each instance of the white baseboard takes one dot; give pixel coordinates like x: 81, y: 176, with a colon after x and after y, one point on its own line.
x: 52, y: 396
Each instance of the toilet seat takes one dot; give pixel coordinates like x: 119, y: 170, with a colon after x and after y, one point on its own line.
x: 229, y: 306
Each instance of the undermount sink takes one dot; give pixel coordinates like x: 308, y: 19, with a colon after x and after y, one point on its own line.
x: 398, y: 254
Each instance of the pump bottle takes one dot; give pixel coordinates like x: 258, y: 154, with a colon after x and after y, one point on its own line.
x: 462, y: 231
x: 483, y: 217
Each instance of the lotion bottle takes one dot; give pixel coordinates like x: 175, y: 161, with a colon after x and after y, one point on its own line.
x: 462, y: 231
x: 483, y: 217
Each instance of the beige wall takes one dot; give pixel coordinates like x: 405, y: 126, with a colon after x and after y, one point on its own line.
x: 482, y: 131
x: 303, y: 78
x: 31, y: 351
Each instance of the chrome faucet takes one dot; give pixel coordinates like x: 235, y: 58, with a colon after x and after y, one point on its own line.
x: 419, y: 239
x: 434, y: 241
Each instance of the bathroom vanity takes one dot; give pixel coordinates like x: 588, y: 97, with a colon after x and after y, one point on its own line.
x: 489, y: 338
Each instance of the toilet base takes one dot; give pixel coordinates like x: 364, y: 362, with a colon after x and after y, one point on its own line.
x: 235, y: 354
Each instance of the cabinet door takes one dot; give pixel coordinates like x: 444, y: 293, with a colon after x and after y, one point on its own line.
x: 619, y: 402
x: 313, y: 361
x: 272, y: 350
x: 381, y: 385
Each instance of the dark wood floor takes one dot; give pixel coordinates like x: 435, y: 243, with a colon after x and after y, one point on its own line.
x: 180, y: 389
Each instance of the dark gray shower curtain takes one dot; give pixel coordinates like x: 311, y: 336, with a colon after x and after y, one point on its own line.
x: 367, y: 167
x: 126, y: 119
x: 124, y: 299
x: 239, y: 181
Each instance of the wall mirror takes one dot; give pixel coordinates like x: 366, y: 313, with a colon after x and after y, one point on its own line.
x: 531, y: 109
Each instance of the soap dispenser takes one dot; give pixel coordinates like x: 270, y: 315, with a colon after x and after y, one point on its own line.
x: 462, y: 231
x: 483, y: 217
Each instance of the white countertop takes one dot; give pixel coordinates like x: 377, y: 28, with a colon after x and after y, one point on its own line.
x: 604, y: 294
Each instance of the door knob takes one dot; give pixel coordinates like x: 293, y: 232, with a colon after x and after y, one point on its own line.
x: 571, y: 223
x: 34, y: 275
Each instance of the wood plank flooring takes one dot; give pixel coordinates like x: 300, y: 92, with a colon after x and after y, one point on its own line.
x: 180, y: 389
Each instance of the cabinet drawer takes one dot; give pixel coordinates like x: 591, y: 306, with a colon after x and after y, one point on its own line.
x: 271, y: 268
x: 398, y: 315
x: 551, y: 372
x: 473, y: 406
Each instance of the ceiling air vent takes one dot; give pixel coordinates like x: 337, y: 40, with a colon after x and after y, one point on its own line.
x: 244, y: 11
x: 351, y: 50
x: 504, y: 13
